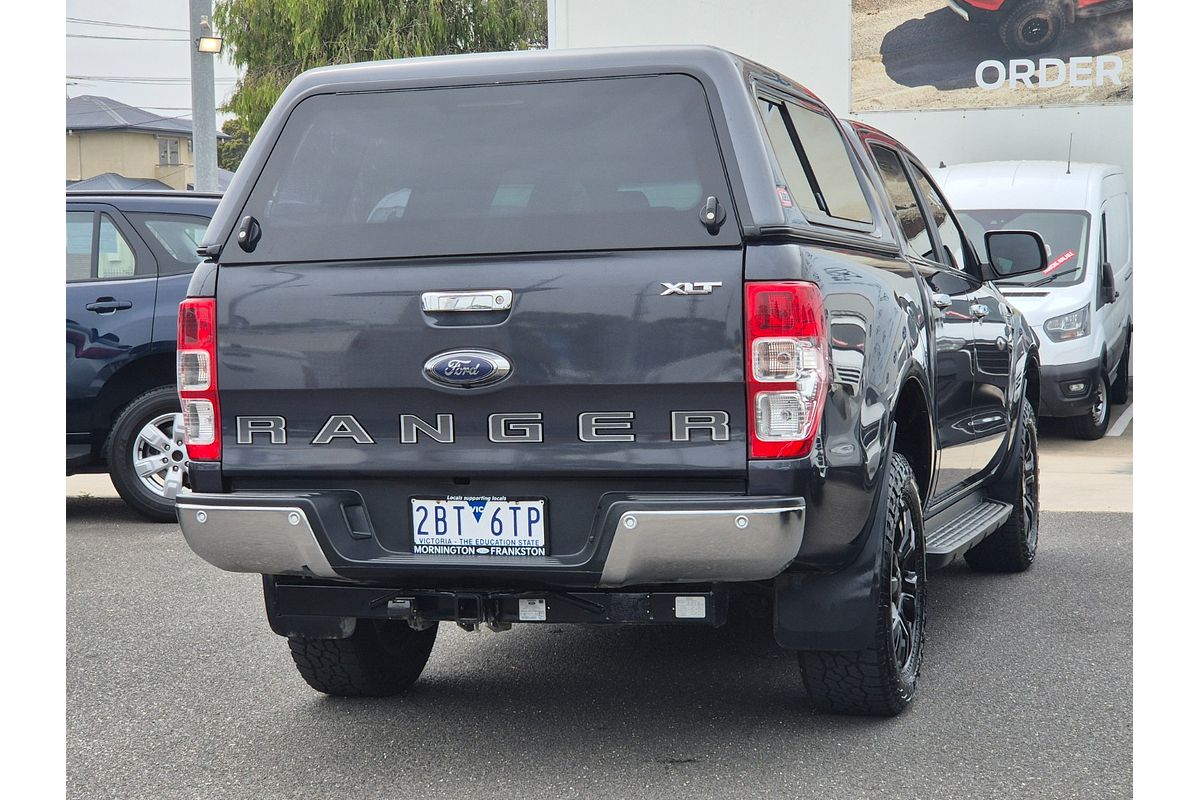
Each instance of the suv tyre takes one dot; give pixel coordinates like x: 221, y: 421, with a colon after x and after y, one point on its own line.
x: 381, y: 658
x: 143, y: 449
x: 882, y: 680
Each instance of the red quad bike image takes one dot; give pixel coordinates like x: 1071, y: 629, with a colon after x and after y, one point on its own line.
x: 1031, y: 26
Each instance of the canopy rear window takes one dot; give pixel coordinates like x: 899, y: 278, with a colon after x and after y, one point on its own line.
x: 569, y: 165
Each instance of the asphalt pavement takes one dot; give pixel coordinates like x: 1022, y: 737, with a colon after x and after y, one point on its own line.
x: 176, y: 688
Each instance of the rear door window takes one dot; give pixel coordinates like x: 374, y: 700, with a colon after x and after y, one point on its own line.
x: 567, y: 165
x: 115, y: 258
x: 80, y: 228
x: 97, y: 249
x: 815, y: 163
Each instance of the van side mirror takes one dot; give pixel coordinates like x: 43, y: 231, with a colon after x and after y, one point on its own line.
x: 1012, y: 253
x: 1108, y: 284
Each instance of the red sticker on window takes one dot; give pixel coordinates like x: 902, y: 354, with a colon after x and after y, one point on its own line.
x: 1058, y: 262
x: 785, y: 198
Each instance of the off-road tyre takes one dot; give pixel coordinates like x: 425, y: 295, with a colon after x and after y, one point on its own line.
x: 881, y: 681
x: 119, y: 452
x: 1033, y: 26
x: 1119, y: 390
x: 1013, y: 546
x: 381, y: 658
x: 1094, y: 424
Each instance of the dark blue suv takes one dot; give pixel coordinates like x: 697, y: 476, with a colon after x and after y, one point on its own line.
x: 130, y: 256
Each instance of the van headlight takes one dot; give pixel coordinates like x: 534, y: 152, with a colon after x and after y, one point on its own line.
x: 1075, y: 325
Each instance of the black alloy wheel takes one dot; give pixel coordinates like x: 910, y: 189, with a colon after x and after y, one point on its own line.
x: 907, y: 570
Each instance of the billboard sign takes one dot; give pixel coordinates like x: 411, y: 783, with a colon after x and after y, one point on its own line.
x: 944, y: 54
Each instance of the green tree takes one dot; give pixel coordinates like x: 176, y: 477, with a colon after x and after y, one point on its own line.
x: 231, y: 150
x: 275, y: 40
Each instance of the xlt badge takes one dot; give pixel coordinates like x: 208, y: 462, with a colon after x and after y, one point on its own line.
x: 689, y: 287
x: 465, y: 369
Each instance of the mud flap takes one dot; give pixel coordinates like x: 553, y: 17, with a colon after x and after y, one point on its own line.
x: 835, y: 610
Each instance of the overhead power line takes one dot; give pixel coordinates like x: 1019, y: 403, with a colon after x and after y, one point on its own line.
x: 138, y: 79
x: 110, y: 24
x: 123, y: 38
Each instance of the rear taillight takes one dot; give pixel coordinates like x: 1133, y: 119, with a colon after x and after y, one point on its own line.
x: 787, y: 374
x: 196, y: 372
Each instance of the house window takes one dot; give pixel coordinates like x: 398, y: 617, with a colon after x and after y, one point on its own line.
x: 168, y: 152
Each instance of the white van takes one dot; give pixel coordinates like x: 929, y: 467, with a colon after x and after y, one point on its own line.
x: 1081, y: 305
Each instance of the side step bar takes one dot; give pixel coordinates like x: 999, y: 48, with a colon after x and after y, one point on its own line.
x: 961, y: 532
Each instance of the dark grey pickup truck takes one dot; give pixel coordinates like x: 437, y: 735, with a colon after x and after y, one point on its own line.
x: 599, y: 336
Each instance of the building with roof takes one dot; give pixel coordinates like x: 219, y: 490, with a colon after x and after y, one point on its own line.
x: 113, y: 144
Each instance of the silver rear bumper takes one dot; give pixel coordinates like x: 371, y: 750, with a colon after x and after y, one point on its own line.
x: 745, y: 542
x: 650, y: 542
x: 266, y: 540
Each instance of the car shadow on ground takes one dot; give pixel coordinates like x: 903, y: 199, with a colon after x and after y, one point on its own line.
x: 87, y: 508
x: 941, y: 50
x: 657, y: 687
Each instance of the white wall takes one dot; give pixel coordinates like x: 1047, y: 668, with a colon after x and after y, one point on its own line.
x: 809, y: 41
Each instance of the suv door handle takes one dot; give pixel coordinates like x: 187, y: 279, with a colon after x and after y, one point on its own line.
x: 942, y: 300
x: 108, y: 305
x: 978, y: 310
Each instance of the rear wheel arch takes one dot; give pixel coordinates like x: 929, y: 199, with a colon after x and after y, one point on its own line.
x: 130, y: 381
x: 914, y: 432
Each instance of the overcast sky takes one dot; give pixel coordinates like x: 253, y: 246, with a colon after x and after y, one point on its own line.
x: 101, y: 59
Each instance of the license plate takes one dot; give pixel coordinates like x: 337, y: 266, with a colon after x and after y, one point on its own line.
x: 478, y: 526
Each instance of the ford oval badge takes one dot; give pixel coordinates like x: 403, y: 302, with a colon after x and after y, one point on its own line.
x: 466, y: 369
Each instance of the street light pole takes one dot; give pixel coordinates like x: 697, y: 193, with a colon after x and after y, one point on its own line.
x: 204, y: 100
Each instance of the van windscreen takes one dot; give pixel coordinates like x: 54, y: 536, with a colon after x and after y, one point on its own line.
x: 1065, y: 233
x: 567, y: 165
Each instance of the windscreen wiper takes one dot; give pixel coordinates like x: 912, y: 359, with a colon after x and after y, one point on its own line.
x: 1056, y: 275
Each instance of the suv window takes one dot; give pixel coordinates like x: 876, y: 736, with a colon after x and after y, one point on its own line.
x: 80, y: 225
x: 563, y: 165
x: 173, y: 237
x: 96, y: 249
x: 114, y: 257
x: 904, y: 201
x: 955, y: 247
x: 815, y: 162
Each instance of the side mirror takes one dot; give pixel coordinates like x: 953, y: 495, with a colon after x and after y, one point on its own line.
x: 1012, y: 253
x: 1108, y: 285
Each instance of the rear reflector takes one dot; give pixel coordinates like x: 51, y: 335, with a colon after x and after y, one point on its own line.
x: 196, y: 372
x: 787, y: 374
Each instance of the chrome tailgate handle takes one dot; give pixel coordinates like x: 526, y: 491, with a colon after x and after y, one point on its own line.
x: 474, y: 300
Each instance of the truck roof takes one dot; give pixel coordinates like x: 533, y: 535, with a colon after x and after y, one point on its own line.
x: 150, y: 201
x: 1025, y: 184
x: 703, y: 58
x: 727, y: 74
